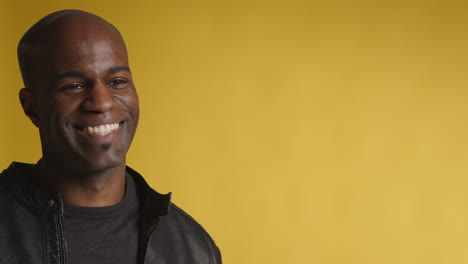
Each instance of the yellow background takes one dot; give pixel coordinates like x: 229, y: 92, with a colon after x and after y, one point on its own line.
x: 294, y: 131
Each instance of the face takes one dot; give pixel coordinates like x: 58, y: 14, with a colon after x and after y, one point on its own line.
x: 86, y: 103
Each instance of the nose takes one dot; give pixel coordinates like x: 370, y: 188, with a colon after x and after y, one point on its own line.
x: 98, y: 99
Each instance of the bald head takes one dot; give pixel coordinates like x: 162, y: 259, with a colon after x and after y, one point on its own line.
x: 56, y: 30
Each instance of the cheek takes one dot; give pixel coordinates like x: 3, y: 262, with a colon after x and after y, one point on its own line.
x: 136, y: 106
x: 136, y: 111
x: 130, y: 103
x: 54, y: 112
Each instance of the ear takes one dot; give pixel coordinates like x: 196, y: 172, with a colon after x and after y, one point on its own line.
x: 29, y: 107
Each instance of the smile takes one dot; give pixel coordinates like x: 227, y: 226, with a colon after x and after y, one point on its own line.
x: 101, y: 130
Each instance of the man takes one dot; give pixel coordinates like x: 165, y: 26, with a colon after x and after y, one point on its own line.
x: 80, y: 203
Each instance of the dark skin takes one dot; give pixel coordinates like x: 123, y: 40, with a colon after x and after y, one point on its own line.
x: 80, y: 94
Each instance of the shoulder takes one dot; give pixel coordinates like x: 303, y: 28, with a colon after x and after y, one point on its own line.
x: 180, y: 219
x: 14, y: 174
x: 176, y: 237
x: 186, y: 238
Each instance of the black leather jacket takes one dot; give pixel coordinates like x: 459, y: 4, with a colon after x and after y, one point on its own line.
x: 31, y: 225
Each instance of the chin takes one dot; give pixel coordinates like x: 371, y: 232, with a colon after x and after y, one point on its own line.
x: 92, y: 165
x: 96, y: 166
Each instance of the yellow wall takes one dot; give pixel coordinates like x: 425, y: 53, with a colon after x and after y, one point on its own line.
x: 294, y: 131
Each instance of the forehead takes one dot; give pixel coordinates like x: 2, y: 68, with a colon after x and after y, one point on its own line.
x: 84, y: 48
x: 89, y: 53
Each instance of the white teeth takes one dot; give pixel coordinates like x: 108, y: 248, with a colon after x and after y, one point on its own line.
x: 102, y: 129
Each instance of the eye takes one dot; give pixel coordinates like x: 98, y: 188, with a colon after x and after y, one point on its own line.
x: 118, y: 83
x: 73, y: 88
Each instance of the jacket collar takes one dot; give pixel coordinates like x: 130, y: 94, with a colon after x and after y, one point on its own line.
x: 152, y: 202
x: 20, y: 180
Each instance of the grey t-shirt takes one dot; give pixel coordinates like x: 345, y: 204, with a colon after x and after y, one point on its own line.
x: 104, y: 235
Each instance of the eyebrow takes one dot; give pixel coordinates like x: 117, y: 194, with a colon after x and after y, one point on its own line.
x: 77, y: 74
x: 118, y: 69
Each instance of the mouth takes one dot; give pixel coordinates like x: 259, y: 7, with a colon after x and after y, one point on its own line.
x: 101, y: 130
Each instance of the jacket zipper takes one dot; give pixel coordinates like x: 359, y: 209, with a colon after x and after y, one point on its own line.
x: 61, y: 227
x: 63, y: 242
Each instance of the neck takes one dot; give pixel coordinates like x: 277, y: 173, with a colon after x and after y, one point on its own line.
x: 90, y: 189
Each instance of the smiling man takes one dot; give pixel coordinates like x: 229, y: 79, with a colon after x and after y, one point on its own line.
x: 81, y: 203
